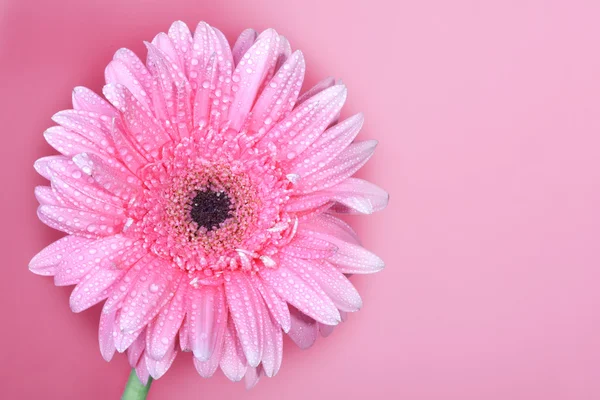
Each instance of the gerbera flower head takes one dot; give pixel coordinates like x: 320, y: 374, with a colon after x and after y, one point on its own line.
x: 200, y: 203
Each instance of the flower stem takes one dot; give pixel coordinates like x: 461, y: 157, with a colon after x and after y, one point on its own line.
x: 135, y: 390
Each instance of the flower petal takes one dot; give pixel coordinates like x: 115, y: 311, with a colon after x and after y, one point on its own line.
x: 343, y: 166
x: 295, y: 133
x: 207, y: 319
x: 331, y: 226
x: 273, y: 347
x: 255, y: 67
x: 91, y: 225
x: 276, y: 305
x: 357, y: 196
x: 309, y: 247
x: 279, y: 96
x: 335, y: 284
x: 95, y: 254
x: 246, y: 312
x: 181, y: 37
x: 85, y: 99
x: 77, y: 192
x: 93, y: 288
x: 45, y: 196
x: 69, y: 143
x: 156, y: 369
x: 243, y: 44
x: 302, y: 292
x: 143, y: 133
x: 155, y: 286
x: 318, y: 88
x: 105, y: 335
x: 47, y: 260
x: 233, y: 362
x: 206, y: 369
x: 328, y: 146
x: 136, y: 350
x: 94, y: 127
x: 252, y: 376
x: 304, y: 330
x: 109, y: 174
x: 165, y: 328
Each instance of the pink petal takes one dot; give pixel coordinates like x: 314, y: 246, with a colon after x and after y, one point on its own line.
x: 319, y: 87
x: 328, y: 146
x: 141, y: 371
x: 352, y: 258
x: 304, y: 329
x: 80, y: 194
x: 47, y: 260
x: 85, y: 99
x: 136, y: 350
x: 93, y: 255
x: 340, y: 168
x: 175, y: 91
x: 332, y: 226
x: 132, y: 259
x: 137, y: 81
x: 337, y: 287
x: 252, y: 376
x: 125, y: 339
x: 143, y: 133
x: 156, y: 369
x: 357, y: 196
x: 207, y: 319
x: 326, y: 330
x: 275, y: 304
x: 233, y: 362
x: 283, y: 52
x: 305, y: 202
x: 109, y: 174
x: 154, y: 287
x: 45, y: 196
x: 206, y: 369
x: 243, y: 44
x: 69, y: 143
x: 163, y: 43
x: 280, y: 94
x: 167, y: 324
x: 295, y: 133
x: 181, y: 37
x: 245, y: 307
x: 94, y: 127
x: 79, y: 222
x: 105, y: 335
x: 309, y: 247
x: 94, y: 288
x: 273, y: 348
x: 302, y: 292
x: 248, y: 77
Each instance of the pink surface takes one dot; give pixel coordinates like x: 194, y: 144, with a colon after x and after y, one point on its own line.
x: 488, y: 122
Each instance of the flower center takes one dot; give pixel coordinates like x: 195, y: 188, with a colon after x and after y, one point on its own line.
x: 210, y: 208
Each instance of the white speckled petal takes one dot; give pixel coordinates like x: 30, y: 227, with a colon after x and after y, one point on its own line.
x: 206, y: 319
x: 304, y: 330
x: 291, y: 282
x: 47, y: 260
x: 166, y: 326
x: 233, y: 362
x: 246, y: 312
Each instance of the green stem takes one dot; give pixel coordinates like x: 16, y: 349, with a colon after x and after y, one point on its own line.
x: 135, y: 390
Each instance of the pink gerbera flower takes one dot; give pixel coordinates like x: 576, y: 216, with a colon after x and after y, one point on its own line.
x: 200, y: 203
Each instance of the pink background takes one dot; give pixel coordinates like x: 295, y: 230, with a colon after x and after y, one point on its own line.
x: 488, y: 117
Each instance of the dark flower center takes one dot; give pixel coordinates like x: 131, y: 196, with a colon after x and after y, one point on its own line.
x: 209, y: 208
